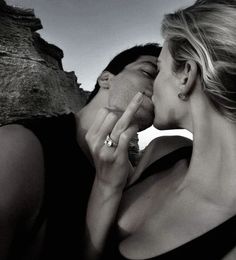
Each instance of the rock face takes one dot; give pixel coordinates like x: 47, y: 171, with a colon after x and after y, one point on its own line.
x: 32, y: 80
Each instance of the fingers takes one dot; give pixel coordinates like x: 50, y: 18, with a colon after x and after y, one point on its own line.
x: 127, y: 117
x: 100, y: 117
x: 125, y: 138
x: 101, y: 127
x: 107, y: 125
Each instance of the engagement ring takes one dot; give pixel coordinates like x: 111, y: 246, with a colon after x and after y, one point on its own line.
x: 109, y: 142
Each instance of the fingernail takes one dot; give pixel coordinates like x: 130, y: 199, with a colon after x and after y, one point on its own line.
x: 139, y: 97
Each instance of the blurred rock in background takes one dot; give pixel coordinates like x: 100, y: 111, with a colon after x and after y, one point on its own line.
x: 32, y: 80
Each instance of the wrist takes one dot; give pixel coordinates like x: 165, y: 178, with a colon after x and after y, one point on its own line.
x: 108, y: 189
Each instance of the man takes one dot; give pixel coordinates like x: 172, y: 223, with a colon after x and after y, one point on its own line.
x: 46, y: 169
x: 131, y: 71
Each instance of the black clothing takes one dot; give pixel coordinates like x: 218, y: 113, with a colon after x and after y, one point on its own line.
x: 68, y: 180
x: 213, y: 245
x: 165, y: 162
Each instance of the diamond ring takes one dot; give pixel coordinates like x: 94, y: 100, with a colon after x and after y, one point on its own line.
x: 109, y: 142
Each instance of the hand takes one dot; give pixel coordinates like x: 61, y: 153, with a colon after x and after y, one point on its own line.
x: 113, y: 167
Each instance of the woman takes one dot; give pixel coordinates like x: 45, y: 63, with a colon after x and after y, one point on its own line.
x: 186, y: 211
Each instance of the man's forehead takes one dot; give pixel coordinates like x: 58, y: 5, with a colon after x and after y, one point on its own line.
x: 148, y: 59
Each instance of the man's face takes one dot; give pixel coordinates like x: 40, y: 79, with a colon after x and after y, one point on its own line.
x: 136, y: 76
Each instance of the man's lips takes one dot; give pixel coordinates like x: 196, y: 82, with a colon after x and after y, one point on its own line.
x: 147, y: 93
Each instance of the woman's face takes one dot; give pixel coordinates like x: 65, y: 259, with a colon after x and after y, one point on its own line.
x: 167, y: 107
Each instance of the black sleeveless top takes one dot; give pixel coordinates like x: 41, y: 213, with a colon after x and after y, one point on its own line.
x: 68, y: 180
x: 213, y: 245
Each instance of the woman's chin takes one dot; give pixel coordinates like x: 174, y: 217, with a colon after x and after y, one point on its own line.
x: 163, y: 125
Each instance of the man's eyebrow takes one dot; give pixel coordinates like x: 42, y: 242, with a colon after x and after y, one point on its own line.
x: 154, y: 65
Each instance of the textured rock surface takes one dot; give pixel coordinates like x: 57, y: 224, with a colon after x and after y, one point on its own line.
x: 32, y: 80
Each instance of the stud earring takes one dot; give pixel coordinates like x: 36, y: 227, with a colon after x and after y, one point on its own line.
x: 182, y: 97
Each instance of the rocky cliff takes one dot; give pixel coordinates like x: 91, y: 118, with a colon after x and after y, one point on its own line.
x: 32, y: 80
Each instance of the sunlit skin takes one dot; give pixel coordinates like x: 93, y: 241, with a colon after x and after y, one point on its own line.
x: 169, y: 112
x: 175, y: 205
x: 136, y: 76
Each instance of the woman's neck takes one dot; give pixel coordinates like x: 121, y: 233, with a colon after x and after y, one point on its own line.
x: 212, y: 168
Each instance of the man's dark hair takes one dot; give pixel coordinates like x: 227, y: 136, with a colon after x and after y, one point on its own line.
x: 126, y: 57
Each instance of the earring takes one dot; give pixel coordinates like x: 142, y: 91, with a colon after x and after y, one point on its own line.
x: 182, y: 97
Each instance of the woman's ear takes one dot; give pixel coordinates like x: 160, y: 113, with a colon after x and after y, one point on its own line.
x: 104, y: 79
x: 188, y: 78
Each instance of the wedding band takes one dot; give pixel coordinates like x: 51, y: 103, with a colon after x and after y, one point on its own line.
x: 109, y: 142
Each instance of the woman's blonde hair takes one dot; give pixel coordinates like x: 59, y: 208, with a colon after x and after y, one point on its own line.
x: 206, y: 33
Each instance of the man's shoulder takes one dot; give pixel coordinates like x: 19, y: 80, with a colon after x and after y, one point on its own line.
x: 18, y: 137
x: 22, y: 168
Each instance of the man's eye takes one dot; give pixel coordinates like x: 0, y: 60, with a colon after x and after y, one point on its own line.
x: 149, y: 74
